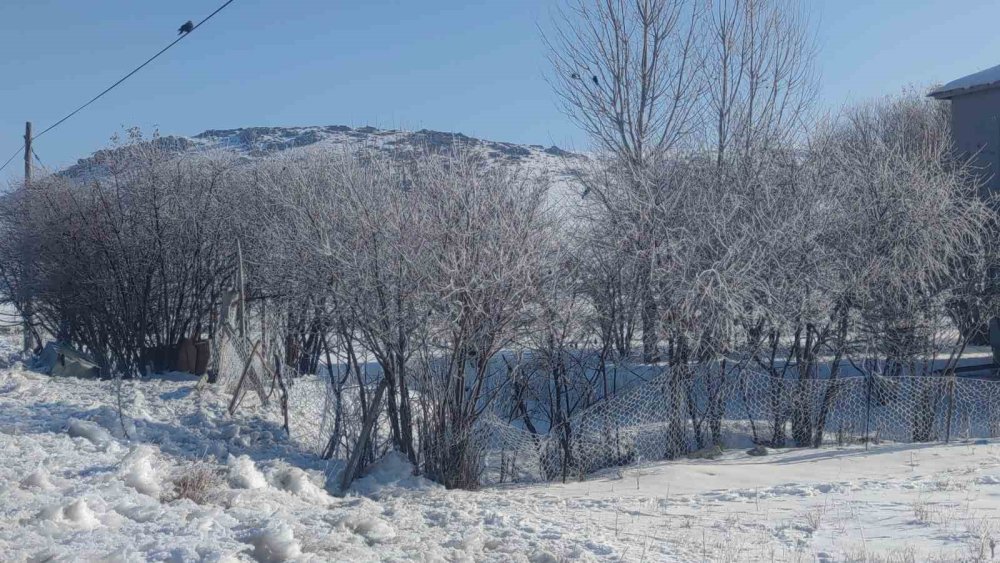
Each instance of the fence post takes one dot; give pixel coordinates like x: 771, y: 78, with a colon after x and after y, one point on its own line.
x: 868, y: 409
x: 951, y: 407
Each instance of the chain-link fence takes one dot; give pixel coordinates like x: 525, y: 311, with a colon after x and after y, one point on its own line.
x: 241, y: 370
x: 678, y: 414
x: 665, y: 413
x: 246, y: 369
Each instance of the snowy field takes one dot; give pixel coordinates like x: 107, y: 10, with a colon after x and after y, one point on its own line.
x: 72, y: 487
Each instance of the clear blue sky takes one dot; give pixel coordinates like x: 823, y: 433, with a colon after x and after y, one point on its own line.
x: 471, y: 66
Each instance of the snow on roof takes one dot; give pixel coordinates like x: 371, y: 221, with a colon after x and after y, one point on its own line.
x: 982, y: 80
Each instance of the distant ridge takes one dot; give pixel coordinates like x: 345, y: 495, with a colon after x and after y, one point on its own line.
x: 262, y: 141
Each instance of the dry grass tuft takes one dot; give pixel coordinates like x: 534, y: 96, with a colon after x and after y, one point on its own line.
x: 199, y: 483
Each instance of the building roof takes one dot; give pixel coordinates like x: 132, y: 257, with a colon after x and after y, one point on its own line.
x: 982, y: 80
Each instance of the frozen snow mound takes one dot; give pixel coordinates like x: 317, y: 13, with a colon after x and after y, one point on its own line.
x: 91, y: 431
x: 392, y: 472
x: 243, y: 473
x: 37, y: 479
x: 274, y: 543
x: 138, y: 471
x: 10, y: 382
x: 372, y: 528
x: 81, y: 515
x: 298, y: 482
x: 76, y: 514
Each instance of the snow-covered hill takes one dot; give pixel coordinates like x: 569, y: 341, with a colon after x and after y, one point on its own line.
x: 262, y: 141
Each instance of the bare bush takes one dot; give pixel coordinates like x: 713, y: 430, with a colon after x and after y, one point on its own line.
x: 199, y: 482
x: 482, y: 269
x: 130, y: 261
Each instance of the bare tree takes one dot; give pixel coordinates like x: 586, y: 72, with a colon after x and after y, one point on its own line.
x: 627, y: 73
x: 757, y: 63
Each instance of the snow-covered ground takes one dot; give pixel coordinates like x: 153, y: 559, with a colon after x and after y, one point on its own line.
x: 73, y: 487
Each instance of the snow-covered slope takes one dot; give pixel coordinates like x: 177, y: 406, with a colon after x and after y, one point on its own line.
x: 261, y: 141
x: 74, y: 487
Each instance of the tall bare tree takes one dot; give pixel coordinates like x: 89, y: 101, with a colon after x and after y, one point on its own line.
x: 627, y: 71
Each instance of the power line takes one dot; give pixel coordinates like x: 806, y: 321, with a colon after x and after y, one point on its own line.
x: 137, y: 69
x: 17, y: 152
x: 122, y: 79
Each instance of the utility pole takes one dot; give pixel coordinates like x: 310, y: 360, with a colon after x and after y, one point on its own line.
x: 27, y: 153
x: 28, y: 259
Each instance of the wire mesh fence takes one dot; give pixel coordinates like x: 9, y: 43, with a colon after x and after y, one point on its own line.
x: 679, y: 414
x: 241, y: 368
x: 665, y: 414
x: 247, y: 369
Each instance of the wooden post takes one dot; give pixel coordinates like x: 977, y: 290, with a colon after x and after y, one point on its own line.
x: 26, y: 310
x: 27, y: 153
x: 242, y: 289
